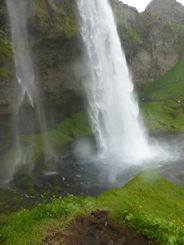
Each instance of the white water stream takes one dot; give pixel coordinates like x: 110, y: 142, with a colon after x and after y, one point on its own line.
x: 28, y: 93
x: 113, y: 109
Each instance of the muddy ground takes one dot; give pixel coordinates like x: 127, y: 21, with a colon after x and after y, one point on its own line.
x: 97, y: 229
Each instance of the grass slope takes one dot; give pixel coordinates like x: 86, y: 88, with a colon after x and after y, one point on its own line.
x: 148, y: 203
x: 162, y: 101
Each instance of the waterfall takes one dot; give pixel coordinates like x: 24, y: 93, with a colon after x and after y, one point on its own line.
x: 28, y: 112
x: 113, y: 109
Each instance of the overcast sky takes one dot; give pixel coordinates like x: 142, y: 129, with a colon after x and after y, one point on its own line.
x: 142, y: 4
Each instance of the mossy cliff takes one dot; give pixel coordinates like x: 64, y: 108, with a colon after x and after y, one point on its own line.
x: 52, y: 33
x: 152, y: 45
x: 162, y: 101
x: 6, y: 60
x: 55, y: 18
x: 56, y: 49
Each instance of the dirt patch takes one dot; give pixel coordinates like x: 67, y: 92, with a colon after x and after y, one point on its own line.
x: 97, y: 229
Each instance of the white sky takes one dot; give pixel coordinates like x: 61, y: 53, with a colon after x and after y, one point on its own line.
x: 142, y: 4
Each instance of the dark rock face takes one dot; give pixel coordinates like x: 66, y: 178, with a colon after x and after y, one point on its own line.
x: 153, y: 43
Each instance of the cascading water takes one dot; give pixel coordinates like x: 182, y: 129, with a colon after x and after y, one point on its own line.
x: 113, y: 109
x: 28, y: 112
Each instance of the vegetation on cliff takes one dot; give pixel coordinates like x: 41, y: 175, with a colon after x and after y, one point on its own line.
x: 59, y: 137
x: 5, y: 55
x: 162, y: 101
x: 56, y: 20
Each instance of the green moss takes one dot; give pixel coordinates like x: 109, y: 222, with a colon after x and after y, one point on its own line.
x: 5, y: 73
x: 5, y: 56
x: 10, y: 202
x: 165, y: 116
x: 179, y: 31
x: 149, y: 203
x: 61, y: 135
x: 5, y: 47
x: 129, y: 34
x: 61, y: 22
x: 146, y: 22
x: 5, y: 132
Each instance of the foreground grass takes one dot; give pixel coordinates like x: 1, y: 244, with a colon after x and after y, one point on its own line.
x: 148, y: 203
x: 162, y: 101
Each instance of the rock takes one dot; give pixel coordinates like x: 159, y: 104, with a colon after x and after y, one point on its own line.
x: 158, y: 52
x: 168, y: 10
x: 124, y: 13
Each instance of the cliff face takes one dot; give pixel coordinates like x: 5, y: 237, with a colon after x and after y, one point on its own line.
x: 6, y: 61
x: 153, y: 42
x: 168, y: 10
x: 123, y: 13
x: 55, y: 47
x: 149, y: 41
x: 54, y: 43
x: 158, y: 52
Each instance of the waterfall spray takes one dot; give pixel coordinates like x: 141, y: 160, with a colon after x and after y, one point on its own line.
x: 27, y: 98
x: 113, y: 109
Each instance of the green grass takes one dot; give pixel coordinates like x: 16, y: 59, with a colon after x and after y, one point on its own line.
x: 165, y: 116
x: 148, y: 203
x: 163, y: 104
x: 152, y: 205
x: 169, y: 86
x: 179, y: 31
